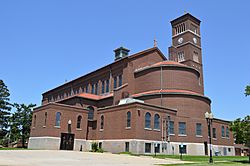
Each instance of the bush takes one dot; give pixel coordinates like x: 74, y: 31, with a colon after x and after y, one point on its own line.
x: 94, y: 147
x: 100, y: 150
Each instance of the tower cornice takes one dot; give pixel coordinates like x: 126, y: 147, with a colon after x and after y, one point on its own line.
x: 184, y: 18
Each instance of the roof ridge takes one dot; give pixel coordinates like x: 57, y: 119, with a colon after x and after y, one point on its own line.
x: 130, y: 56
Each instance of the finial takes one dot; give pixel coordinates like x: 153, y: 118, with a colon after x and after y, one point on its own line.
x: 185, y: 12
x: 155, y: 42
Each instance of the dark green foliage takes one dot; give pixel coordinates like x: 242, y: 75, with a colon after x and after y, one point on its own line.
x: 95, y: 148
x: 247, y: 90
x: 241, y: 131
x: 4, y: 141
x: 16, y: 126
x: 5, y: 108
x: 21, y: 122
x: 14, y: 132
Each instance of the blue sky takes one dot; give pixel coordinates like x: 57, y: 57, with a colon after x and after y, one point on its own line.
x: 44, y: 43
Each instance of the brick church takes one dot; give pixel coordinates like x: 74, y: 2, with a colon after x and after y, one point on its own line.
x: 141, y: 103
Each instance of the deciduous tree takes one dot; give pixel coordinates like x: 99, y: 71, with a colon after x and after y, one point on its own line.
x: 247, y: 90
x: 241, y: 131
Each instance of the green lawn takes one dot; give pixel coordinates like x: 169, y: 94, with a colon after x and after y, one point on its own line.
x: 207, y: 164
x: 13, y: 149
x: 203, y: 160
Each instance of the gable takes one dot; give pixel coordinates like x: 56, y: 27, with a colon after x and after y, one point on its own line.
x: 147, y: 58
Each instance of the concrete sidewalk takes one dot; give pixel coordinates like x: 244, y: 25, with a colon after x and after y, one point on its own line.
x: 67, y: 158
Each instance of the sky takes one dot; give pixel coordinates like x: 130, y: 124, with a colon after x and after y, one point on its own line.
x: 44, y: 43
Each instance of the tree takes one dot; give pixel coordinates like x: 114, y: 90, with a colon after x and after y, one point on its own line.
x: 241, y: 130
x: 5, y: 108
x: 247, y: 90
x: 14, y: 132
x: 22, y: 120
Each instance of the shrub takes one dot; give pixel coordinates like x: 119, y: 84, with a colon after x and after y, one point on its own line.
x: 100, y: 150
x: 94, y: 147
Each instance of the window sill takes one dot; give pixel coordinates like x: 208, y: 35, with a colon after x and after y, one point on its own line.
x: 214, y: 138
x: 58, y: 127
x: 101, y: 129
x: 33, y: 127
x: 182, y: 135
x: 44, y: 126
x: 157, y: 130
x: 172, y: 134
x: 78, y: 129
x: 199, y: 136
x: 224, y: 137
x: 128, y: 128
x: 148, y: 129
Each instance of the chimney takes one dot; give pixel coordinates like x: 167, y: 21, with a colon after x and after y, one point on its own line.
x: 121, y: 52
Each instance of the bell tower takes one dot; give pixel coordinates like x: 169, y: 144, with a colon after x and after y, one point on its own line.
x: 186, y: 43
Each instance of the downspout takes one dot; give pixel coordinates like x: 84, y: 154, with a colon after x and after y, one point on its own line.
x: 110, y: 78
x: 161, y: 86
x: 110, y: 84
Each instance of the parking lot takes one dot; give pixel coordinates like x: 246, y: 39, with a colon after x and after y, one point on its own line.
x: 63, y: 158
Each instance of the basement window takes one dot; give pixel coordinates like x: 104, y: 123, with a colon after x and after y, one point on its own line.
x: 183, y: 149
x: 147, y: 147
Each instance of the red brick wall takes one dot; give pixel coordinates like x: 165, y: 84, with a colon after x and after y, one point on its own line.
x: 67, y: 113
x: 116, y: 121
x: 172, y: 78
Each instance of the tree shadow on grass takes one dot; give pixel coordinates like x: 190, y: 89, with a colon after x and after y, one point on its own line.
x: 241, y: 161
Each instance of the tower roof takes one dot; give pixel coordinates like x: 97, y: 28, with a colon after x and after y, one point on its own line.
x: 185, y: 17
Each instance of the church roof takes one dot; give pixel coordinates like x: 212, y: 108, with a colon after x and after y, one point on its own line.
x: 118, y: 61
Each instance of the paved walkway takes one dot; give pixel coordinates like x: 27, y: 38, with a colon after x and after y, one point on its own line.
x: 67, y: 158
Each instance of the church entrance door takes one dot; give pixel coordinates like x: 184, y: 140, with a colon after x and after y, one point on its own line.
x: 67, y: 141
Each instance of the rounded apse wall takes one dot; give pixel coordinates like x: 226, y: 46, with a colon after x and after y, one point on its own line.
x: 187, y: 105
x: 168, y: 77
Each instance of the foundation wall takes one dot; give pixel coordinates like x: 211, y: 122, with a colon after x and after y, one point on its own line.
x: 136, y: 146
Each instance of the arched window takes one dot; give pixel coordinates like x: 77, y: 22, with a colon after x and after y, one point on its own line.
x: 58, y: 119
x: 45, y: 118
x: 96, y: 88
x: 129, y: 119
x: 103, y: 86
x: 91, y: 112
x: 222, y: 131
x: 157, y: 121
x: 87, y: 89
x: 92, y: 88
x: 102, y: 122
x: 148, y: 120
x: 35, y: 121
x: 115, y: 82
x: 227, y: 132
x: 120, y: 80
x: 107, y: 85
x: 79, y: 120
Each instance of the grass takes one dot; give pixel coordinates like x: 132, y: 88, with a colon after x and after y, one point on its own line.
x: 203, y: 160
x: 13, y: 149
x: 129, y: 153
x: 207, y: 164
